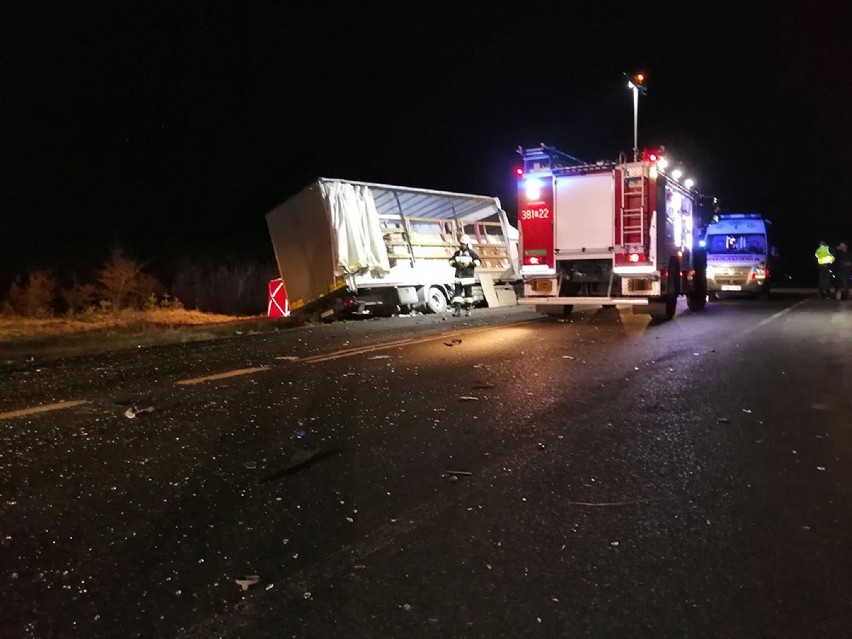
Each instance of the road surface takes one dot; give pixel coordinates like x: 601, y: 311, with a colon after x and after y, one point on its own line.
x: 502, y: 476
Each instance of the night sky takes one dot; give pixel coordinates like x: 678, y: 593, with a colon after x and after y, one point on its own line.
x: 171, y: 128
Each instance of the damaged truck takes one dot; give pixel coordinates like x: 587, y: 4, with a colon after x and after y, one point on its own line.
x: 347, y: 248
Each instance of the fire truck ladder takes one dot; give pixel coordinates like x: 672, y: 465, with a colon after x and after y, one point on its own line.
x: 632, y: 216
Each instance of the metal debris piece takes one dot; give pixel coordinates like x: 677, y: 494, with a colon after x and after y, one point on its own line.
x: 463, y: 473
x: 568, y: 357
x: 246, y: 581
x: 747, y: 410
x: 468, y: 398
x: 380, y: 357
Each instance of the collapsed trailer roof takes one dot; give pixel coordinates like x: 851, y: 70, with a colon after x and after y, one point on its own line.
x: 391, y: 200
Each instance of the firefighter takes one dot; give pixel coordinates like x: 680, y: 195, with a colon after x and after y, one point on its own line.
x: 824, y: 261
x: 464, y: 260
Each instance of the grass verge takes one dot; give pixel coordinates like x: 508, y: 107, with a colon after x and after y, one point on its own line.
x: 22, y: 339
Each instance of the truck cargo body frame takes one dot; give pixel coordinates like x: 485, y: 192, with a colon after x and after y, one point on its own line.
x: 345, y: 246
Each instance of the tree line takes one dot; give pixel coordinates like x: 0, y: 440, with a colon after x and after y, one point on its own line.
x: 230, y: 286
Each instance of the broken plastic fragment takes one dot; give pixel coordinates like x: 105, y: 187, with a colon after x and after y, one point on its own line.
x: 246, y: 581
x: 132, y: 412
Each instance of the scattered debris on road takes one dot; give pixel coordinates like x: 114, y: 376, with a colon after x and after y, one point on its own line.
x: 380, y: 357
x: 132, y: 412
x: 723, y: 420
x: 247, y: 581
x: 468, y: 398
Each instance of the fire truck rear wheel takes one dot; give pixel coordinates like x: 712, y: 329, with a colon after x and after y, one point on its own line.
x: 672, y: 292
x: 696, y: 302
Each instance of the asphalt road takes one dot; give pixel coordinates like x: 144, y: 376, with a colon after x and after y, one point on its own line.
x: 503, y: 476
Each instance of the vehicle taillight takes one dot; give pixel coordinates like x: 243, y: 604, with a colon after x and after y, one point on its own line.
x: 635, y: 257
x: 534, y: 260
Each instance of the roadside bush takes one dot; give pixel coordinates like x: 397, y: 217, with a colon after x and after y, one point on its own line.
x: 79, y: 296
x: 32, y: 295
x: 123, y: 283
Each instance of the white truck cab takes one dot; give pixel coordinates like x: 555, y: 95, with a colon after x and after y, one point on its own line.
x: 738, y: 253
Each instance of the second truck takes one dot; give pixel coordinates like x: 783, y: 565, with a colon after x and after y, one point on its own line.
x: 606, y: 233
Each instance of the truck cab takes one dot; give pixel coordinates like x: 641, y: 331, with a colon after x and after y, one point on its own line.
x: 738, y: 255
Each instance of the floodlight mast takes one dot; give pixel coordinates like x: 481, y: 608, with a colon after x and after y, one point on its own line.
x: 636, y: 83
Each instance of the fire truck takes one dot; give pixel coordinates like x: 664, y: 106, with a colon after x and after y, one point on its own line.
x: 606, y: 233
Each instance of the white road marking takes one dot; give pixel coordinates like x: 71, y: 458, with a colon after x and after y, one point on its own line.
x: 226, y: 375
x: 24, y: 412
x: 774, y: 317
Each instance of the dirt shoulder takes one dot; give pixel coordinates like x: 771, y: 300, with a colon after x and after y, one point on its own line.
x: 26, y: 339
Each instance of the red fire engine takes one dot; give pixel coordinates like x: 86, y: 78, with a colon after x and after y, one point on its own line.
x: 608, y: 233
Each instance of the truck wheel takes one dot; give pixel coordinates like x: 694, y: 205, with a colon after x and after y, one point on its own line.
x: 436, y: 301
x: 672, y: 292
x: 696, y: 302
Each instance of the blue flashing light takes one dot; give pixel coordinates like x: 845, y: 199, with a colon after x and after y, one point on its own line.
x: 702, y: 243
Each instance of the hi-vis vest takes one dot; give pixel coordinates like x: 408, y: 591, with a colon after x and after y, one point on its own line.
x: 824, y: 256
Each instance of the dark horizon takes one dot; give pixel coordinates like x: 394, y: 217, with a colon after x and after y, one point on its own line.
x: 172, y: 129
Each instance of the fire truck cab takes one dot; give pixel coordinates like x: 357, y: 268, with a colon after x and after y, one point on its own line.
x: 606, y: 233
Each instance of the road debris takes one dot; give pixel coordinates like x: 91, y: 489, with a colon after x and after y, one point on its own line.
x: 482, y: 386
x: 468, y: 398
x: 247, y: 581
x: 380, y: 357
x: 454, y: 342
x: 747, y: 411
x: 568, y: 357
x: 463, y: 473
x: 132, y: 412
x: 723, y: 420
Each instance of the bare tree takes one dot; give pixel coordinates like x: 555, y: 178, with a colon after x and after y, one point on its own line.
x: 120, y: 278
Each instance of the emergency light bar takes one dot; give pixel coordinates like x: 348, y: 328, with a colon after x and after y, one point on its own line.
x: 740, y: 216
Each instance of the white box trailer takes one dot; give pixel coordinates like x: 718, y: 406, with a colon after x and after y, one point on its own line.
x: 344, y: 246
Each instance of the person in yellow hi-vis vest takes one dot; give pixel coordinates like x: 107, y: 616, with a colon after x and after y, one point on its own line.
x: 824, y: 261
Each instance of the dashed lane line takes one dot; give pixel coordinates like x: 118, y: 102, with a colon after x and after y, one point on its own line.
x: 24, y: 412
x: 225, y: 375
